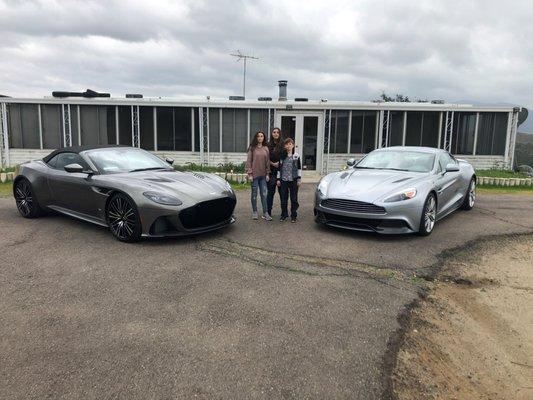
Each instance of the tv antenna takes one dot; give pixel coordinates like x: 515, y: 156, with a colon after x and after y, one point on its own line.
x: 244, y: 58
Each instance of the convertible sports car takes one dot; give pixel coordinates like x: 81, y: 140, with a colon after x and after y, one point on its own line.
x: 396, y: 190
x: 129, y: 190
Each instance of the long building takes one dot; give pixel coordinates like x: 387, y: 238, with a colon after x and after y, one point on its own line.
x: 215, y: 131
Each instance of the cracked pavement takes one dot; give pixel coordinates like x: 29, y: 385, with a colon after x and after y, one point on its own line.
x: 258, y: 310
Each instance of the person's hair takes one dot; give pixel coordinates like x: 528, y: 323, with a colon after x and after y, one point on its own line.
x: 255, y: 142
x: 286, y: 141
x: 275, y: 145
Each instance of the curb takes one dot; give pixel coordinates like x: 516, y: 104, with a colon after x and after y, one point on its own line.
x: 490, y: 181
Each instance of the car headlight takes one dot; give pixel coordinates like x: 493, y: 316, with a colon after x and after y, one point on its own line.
x: 164, y: 199
x: 403, y: 195
x: 323, y: 186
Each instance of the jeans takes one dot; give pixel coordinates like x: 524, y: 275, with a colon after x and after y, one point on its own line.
x: 271, y: 192
x: 289, y: 188
x: 261, y: 184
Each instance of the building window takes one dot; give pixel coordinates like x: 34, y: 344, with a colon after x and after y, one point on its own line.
x: 124, y: 125
x: 430, y: 129
x: 174, y: 126
x: 52, y: 123
x: 396, y: 128
x: 363, y: 134
x: 146, y: 128
x: 111, y: 122
x: 339, y: 131
x: 214, y: 129
x: 492, y: 133
x: 234, y: 129
x: 259, y: 122
x: 422, y: 129
x: 24, y: 126
x: 197, y: 123
x: 464, y: 125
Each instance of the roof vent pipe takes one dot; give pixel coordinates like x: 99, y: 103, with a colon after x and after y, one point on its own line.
x: 282, y: 90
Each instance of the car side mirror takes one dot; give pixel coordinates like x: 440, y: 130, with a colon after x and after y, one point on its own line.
x: 452, y: 167
x: 350, y: 162
x: 74, y: 168
x: 169, y: 160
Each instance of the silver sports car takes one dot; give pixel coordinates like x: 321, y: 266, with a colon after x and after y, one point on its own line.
x: 129, y: 190
x: 396, y: 190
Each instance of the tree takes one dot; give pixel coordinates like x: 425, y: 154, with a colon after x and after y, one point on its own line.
x: 399, y: 98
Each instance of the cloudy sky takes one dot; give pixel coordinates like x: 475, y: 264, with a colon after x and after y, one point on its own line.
x: 479, y: 51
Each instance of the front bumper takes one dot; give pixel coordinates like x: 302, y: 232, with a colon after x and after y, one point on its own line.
x: 398, y: 218
x: 197, y: 218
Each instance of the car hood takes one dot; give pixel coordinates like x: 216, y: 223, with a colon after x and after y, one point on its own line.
x: 370, y: 185
x: 195, y: 186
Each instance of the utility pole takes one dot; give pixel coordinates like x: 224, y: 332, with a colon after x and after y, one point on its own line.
x: 244, y: 58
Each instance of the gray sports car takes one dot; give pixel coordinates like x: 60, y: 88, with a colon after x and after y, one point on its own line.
x: 396, y: 190
x: 129, y: 190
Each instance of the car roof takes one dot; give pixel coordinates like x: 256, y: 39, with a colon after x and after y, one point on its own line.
x: 78, y: 149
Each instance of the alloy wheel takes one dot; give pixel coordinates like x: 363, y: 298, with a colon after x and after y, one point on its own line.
x: 121, y: 217
x: 472, y: 194
x: 24, y: 198
x: 430, y: 214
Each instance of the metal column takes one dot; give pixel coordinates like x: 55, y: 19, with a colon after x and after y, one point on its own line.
x: 135, y: 127
x: 509, y: 149
x: 448, y: 130
x: 384, y: 128
x: 4, y: 136
x: 67, y: 127
x: 327, y: 137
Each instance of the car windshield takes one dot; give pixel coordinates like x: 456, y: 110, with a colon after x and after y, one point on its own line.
x: 116, y: 160
x: 413, y: 161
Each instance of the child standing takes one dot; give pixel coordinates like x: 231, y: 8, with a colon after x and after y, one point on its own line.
x: 289, y: 179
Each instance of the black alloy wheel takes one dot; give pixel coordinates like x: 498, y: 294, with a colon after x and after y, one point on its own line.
x: 123, y: 219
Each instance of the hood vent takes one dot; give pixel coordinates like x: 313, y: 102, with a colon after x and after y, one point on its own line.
x: 403, y: 179
x: 282, y: 90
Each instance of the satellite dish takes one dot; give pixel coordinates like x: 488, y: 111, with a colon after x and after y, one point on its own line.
x: 522, y: 115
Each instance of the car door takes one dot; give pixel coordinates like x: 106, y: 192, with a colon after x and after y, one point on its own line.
x: 448, y: 183
x: 72, y: 191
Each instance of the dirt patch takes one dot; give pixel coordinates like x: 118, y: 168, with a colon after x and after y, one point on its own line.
x: 472, y: 336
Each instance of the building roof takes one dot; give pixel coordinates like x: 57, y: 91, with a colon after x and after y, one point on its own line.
x: 290, y: 104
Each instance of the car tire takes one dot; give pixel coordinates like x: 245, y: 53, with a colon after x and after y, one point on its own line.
x: 429, y: 216
x: 27, y: 203
x: 470, y: 196
x: 123, y: 218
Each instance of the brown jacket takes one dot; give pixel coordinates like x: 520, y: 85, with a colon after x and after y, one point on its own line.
x: 258, y: 161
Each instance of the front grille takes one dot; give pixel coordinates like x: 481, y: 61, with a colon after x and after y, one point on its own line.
x: 362, y: 223
x: 352, y: 206
x: 207, y: 213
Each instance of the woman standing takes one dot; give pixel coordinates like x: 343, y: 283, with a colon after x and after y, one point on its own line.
x: 258, y: 169
x: 274, y: 148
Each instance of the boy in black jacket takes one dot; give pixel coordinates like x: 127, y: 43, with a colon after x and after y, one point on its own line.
x: 289, y: 179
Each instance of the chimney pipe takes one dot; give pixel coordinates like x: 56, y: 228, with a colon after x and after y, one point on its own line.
x: 282, y: 90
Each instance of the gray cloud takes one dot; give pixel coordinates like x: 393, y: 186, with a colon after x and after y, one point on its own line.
x: 476, y: 50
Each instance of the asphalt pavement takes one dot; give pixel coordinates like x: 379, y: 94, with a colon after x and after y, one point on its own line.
x: 258, y: 310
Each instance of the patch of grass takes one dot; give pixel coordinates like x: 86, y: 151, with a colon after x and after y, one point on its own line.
x: 505, y: 189
x: 8, y: 169
x: 500, y: 173
x: 240, y: 186
x: 6, y: 189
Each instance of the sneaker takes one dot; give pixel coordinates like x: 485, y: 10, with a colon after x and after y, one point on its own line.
x: 293, y: 220
x: 254, y: 215
x: 267, y: 217
x: 282, y: 219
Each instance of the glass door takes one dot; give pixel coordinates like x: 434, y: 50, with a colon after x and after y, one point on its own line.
x: 303, y: 129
